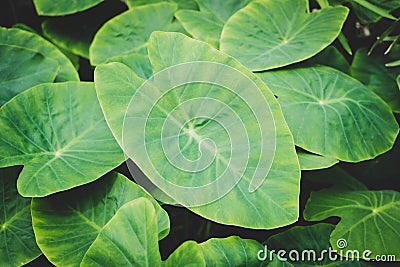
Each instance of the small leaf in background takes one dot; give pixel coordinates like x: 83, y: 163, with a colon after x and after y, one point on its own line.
x: 17, y: 240
x: 21, y: 69
x: 309, y: 244
x: 31, y: 41
x: 332, y: 114
x: 335, y: 177
x: 206, y: 25
x: 330, y: 57
x: 75, y: 33
x: 58, y: 132
x: 182, y: 4
x: 371, y: 71
x: 270, y: 34
x: 310, y: 161
x: 69, y: 225
x: 122, y: 35
x: 369, y: 219
x: 63, y: 7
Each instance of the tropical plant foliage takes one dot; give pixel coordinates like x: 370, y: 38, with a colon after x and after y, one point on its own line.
x: 250, y: 115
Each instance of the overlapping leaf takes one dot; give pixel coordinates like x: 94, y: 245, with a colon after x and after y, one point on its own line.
x: 58, y: 132
x: 206, y: 24
x: 365, y: 216
x: 309, y: 161
x: 332, y: 114
x: 116, y: 84
x: 122, y: 35
x: 269, y: 34
x: 71, y: 227
x: 381, y: 80
x: 63, y: 7
x: 17, y: 240
x: 183, y: 4
x: 21, y: 69
x: 28, y: 40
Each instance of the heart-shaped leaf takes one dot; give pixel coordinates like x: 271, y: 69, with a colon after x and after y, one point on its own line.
x: 129, y: 236
x: 371, y: 71
x: 206, y: 24
x: 24, y: 39
x: 354, y: 123
x: 17, y: 241
x: 365, y: 216
x: 116, y: 84
x: 69, y: 226
x: 269, y: 34
x: 309, y: 246
x: 21, y: 69
x: 122, y: 35
x: 58, y: 132
x: 63, y: 7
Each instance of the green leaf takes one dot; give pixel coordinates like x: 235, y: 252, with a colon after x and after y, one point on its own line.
x: 75, y: 33
x: 128, y: 239
x: 234, y: 251
x: 69, y: 226
x: 28, y: 40
x: 370, y: 5
x: 230, y: 251
x: 122, y: 35
x: 58, y: 132
x: 17, y: 242
x: 63, y: 7
x: 309, y: 161
x: 270, y: 34
x: 310, y: 245
x: 371, y: 71
x: 330, y: 57
x: 183, y: 4
x: 21, y: 69
x: 140, y: 64
x: 354, y: 123
x: 206, y: 24
x: 369, y: 219
x: 274, y: 203
x: 188, y: 254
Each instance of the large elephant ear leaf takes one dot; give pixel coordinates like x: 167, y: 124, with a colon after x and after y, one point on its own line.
x: 369, y: 220
x: 17, y: 240
x: 269, y: 201
x: 270, y: 34
x: 187, y: 254
x: 121, y: 35
x: 22, y: 69
x: 18, y: 38
x: 63, y: 7
x: 58, y: 132
x: 310, y: 244
x: 206, y: 24
x: 128, y: 239
x: 94, y: 211
x: 354, y: 123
